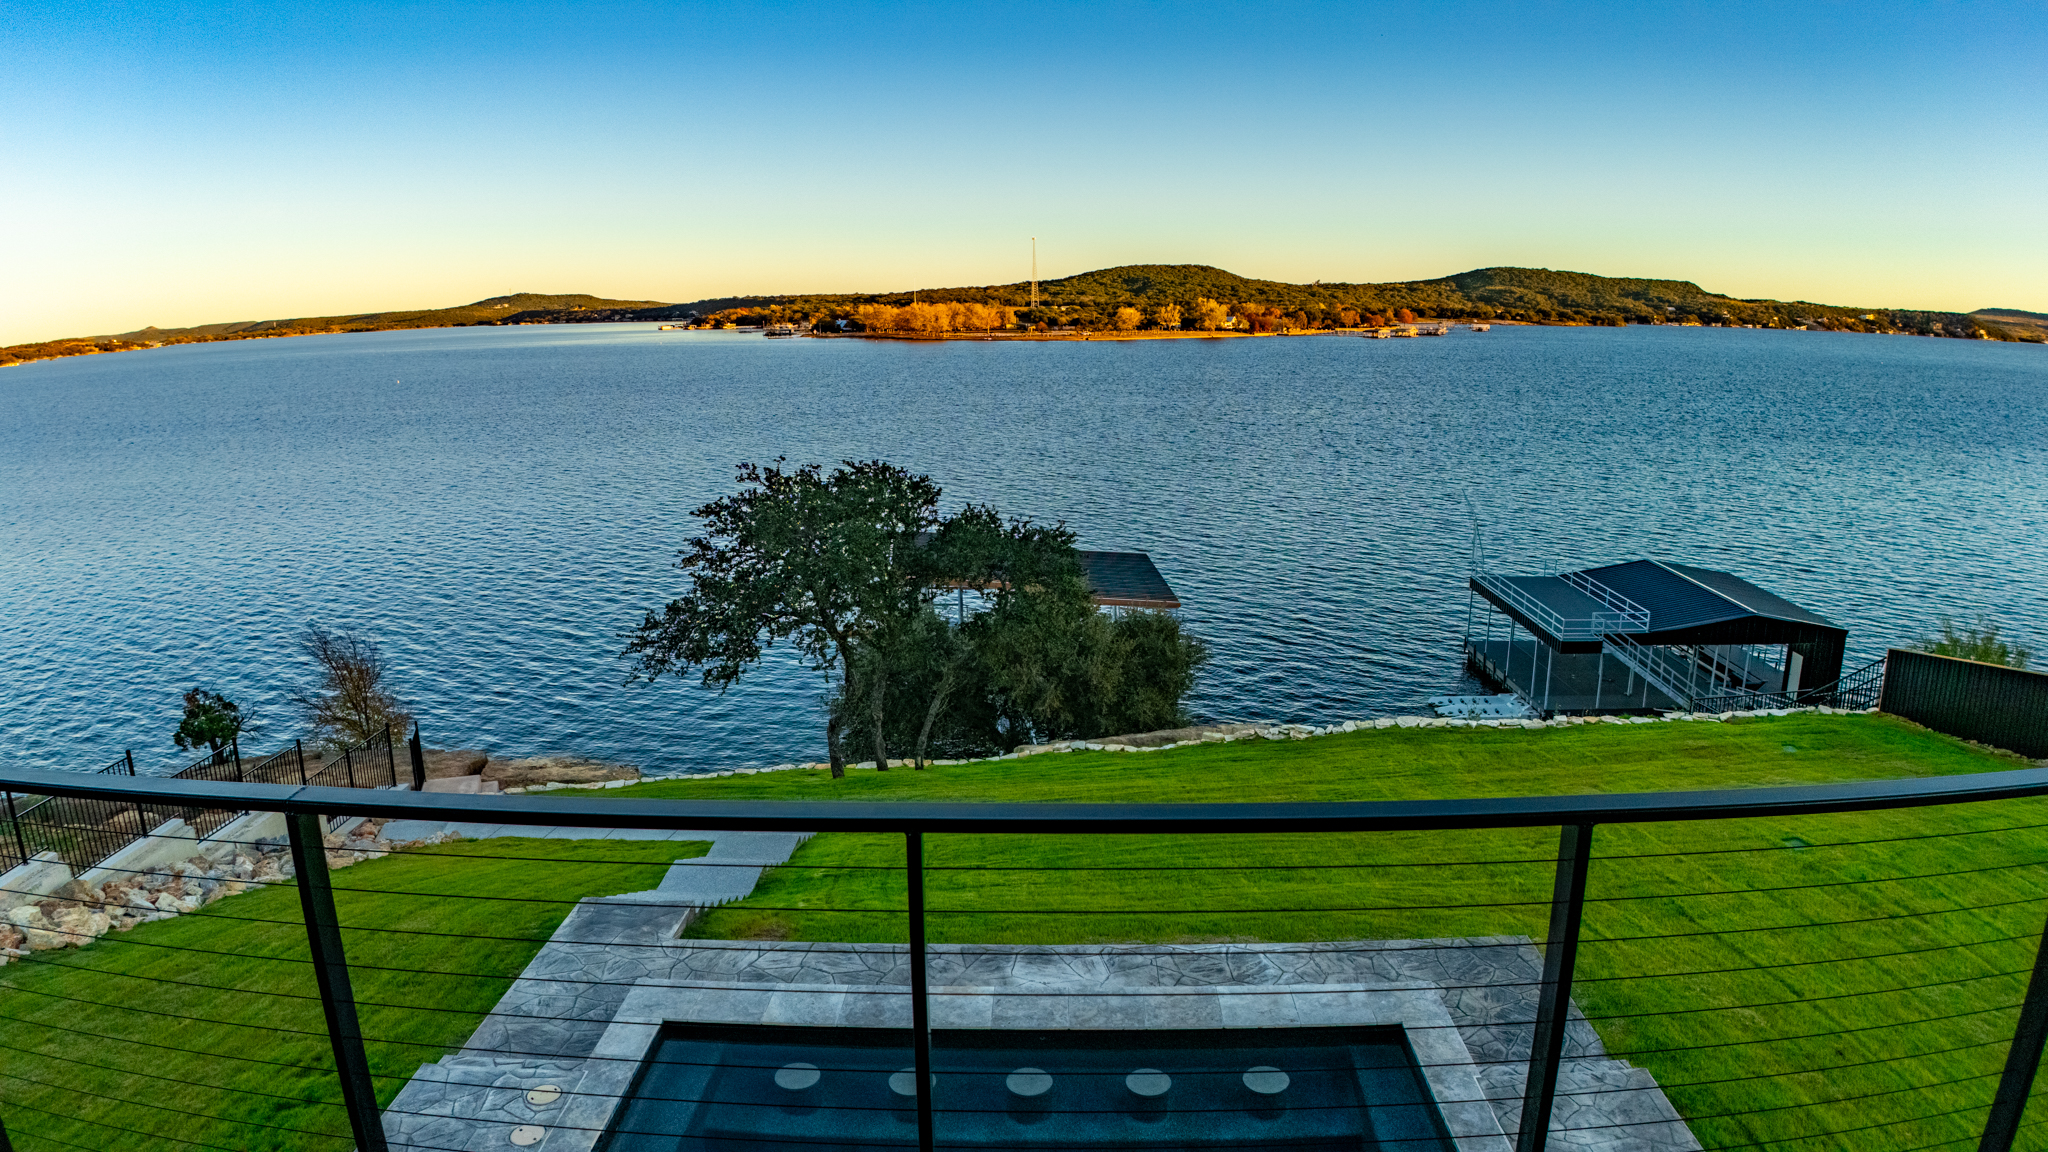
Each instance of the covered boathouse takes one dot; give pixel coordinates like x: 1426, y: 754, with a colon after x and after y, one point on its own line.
x: 1117, y: 582
x: 1123, y: 580
x: 1649, y: 635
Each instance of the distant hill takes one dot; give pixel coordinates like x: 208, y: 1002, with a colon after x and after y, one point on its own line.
x: 1529, y: 295
x: 2014, y: 320
x: 518, y: 308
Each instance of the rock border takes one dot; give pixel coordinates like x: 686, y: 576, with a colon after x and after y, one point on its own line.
x: 1226, y: 733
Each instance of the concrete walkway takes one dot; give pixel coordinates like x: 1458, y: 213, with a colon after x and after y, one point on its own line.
x: 421, y: 829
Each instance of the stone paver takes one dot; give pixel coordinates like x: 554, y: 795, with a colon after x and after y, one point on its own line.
x: 561, y: 1021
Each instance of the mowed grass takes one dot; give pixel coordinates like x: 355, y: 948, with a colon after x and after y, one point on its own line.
x: 206, y: 1030
x: 1812, y: 983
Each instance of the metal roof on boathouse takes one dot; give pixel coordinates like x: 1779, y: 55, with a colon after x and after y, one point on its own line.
x: 1655, y: 602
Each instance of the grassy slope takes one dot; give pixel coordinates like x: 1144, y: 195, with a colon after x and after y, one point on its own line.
x: 257, y: 1062
x: 1908, y: 1014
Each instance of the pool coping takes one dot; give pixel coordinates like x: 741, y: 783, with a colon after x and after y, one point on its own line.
x: 1446, y: 1063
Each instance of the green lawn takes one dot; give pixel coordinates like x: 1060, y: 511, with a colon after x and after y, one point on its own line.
x: 149, y: 1039
x: 1782, y: 978
x: 1756, y: 967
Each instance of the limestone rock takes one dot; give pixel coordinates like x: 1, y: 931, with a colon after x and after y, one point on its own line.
x: 75, y: 889
x: 555, y: 770
x: 442, y: 763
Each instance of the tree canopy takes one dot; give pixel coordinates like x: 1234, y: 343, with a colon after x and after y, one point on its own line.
x: 1979, y: 641
x: 845, y: 566
x: 211, y: 721
x: 826, y: 561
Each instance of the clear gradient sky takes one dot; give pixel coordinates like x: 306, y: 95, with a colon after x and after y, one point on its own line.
x: 178, y: 164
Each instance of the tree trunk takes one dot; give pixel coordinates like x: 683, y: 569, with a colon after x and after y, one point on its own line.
x: 931, y: 713
x: 846, y: 691
x: 875, y: 691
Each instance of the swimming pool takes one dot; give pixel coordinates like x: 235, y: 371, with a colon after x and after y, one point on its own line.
x: 767, y: 1088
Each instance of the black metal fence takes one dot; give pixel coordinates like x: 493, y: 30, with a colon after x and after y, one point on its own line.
x: 1845, y: 966
x: 84, y: 833
x: 1855, y: 691
x: 1989, y: 703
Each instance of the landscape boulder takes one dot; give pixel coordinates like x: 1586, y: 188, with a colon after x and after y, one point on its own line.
x: 443, y: 763
x: 1158, y: 739
x: 555, y: 770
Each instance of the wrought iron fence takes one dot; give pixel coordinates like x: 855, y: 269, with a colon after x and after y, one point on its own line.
x: 1855, y: 691
x: 86, y: 833
x: 1849, y: 965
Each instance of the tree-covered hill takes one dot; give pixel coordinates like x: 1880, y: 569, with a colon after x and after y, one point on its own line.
x: 2016, y: 321
x: 1530, y: 295
x: 1091, y: 300
x: 519, y: 308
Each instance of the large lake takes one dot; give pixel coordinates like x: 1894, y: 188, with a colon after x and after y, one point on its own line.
x: 496, y: 505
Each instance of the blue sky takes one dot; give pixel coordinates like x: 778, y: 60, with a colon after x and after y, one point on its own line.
x: 177, y: 164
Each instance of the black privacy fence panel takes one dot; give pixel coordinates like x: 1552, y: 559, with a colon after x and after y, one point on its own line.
x: 2003, y: 707
x: 84, y: 833
x: 1796, y: 969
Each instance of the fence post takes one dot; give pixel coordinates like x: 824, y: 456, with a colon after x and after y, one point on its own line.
x: 1553, y: 1010
x: 920, y: 991
x: 348, y: 764
x: 235, y: 747
x: 419, y: 760
x: 299, y: 747
x: 14, y: 819
x: 130, y: 754
x: 390, y: 754
x: 330, y: 970
x: 2022, y: 1060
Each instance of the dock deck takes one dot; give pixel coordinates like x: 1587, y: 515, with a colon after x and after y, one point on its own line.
x: 1524, y: 665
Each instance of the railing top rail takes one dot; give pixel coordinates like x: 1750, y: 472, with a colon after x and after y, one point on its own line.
x: 1631, y: 611
x: 869, y: 816
x: 1596, y: 624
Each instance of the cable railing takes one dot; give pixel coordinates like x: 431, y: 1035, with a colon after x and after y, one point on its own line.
x: 1807, y: 967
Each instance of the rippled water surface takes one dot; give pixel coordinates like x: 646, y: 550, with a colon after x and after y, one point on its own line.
x: 496, y: 505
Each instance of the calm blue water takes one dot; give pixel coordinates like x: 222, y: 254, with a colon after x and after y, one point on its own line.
x: 495, y: 505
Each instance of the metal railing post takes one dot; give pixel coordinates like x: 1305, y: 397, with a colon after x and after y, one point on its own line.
x: 2022, y: 1060
x: 920, y: 991
x: 419, y: 760
x: 129, y: 754
x: 390, y: 755
x: 235, y: 747
x: 14, y: 818
x: 348, y: 764
x: 330, y: 970
x: 299, y: 748
x: 1553, y: 1009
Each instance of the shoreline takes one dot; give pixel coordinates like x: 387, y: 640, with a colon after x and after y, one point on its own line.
x: 993, y: 336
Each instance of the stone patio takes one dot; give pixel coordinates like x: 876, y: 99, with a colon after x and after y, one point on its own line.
x: 585, y: 1012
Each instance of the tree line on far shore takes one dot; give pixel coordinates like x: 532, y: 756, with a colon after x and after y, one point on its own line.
x: 938, y: 319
